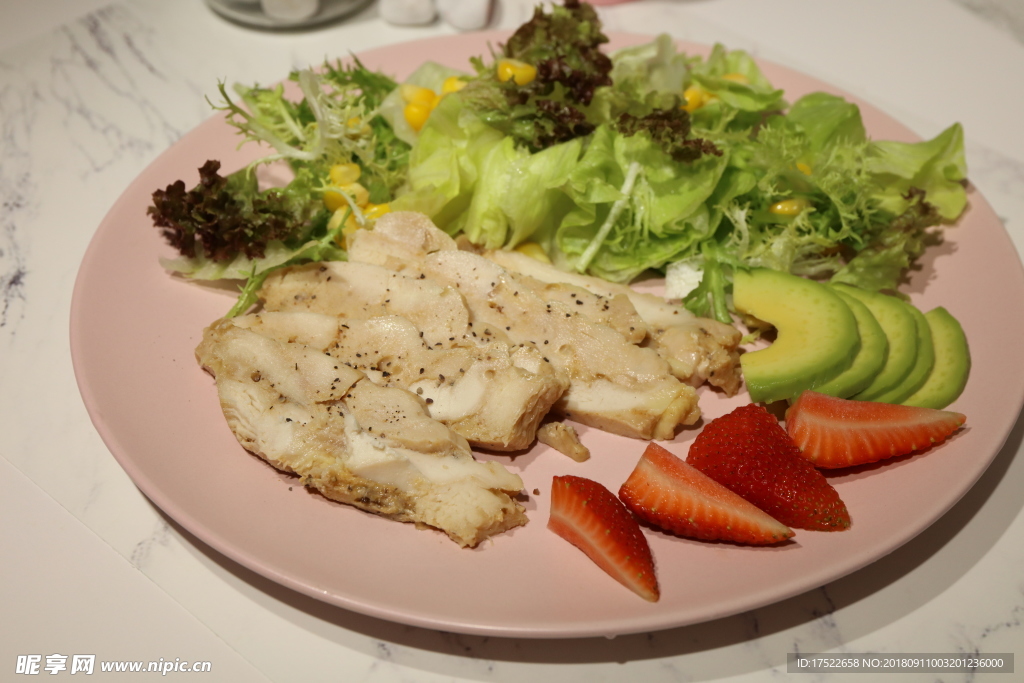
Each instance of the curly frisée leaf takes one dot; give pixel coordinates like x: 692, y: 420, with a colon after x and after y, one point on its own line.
x: 815, y: 197
x: 227, y: 228
x: 335, y: 121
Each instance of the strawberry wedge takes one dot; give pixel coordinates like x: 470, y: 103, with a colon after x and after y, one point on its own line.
x: 835, y: 432
x: 749, y: 452
x: 590, y: 517
x: 668, y: 493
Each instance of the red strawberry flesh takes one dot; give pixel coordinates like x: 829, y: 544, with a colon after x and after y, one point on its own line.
x: 668, y: 493
x: 590, y: 517
x: 835, y: 432
x: 750, y: 453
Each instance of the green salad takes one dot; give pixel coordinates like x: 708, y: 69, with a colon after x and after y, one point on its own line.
x: 612, y: 164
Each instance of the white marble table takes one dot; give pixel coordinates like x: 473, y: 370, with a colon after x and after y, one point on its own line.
x: 91, y: 567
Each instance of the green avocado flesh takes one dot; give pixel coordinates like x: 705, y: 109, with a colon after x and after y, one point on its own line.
x: 922, y: 363
x: 874, y: 348
x: 948, y: 376
x: 816, y: 340
x: 900, y: 330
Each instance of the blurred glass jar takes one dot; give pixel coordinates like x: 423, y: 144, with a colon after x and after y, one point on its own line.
x: 285, y: 13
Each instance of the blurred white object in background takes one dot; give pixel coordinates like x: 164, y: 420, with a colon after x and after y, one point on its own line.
x: 408, y: 12
x: 284, y: 14
x: 290, y: 10
x: 466, y: 15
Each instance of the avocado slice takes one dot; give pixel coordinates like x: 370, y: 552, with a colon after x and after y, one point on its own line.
x: 874, y: 349
x: 900, y: 330
x: 816, y: 333
x: 922, y: 363
x: 948, y: 377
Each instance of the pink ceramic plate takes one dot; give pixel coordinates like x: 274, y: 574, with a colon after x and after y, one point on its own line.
x: 134, y: 328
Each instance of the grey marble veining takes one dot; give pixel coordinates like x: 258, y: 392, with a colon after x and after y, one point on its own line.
x: 17, y: 110
x: 1007, y: 15
x: 106, y: 59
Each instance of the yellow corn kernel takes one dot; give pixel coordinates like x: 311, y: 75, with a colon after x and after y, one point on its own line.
x: 335, y: 200
x: 374, y: 211
x: 789, y: 207
x: 737, y: 78
x: 351, y: 225
x: 695, y: 98
x: 343, y: 174
x: 356, y: 126
x: 416, y: 115
x: 533, y: 250
x: 414, y: 94
x: 515, y: 70
x: 336, y: 218
x: 452, y: 84
x: 358, y: 193
x: 803, y: 167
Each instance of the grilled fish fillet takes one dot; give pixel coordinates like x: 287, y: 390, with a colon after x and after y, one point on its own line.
x: 614, y: 385
x: 615, y: 311
x: 697, y: 349
x: 372, y: 447
x: 361, y: 290
x: 458, y: 384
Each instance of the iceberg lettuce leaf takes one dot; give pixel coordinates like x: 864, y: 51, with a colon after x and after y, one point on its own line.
x: 635, y: 208
x: 937, y: 166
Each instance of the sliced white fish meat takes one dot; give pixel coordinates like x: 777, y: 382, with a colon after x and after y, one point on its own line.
x: 617, y: 311
x: 698, y: 350
x: 614, y: 385
x: 369, y: 446
x: 361, y: 290
x: 493, y: 394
